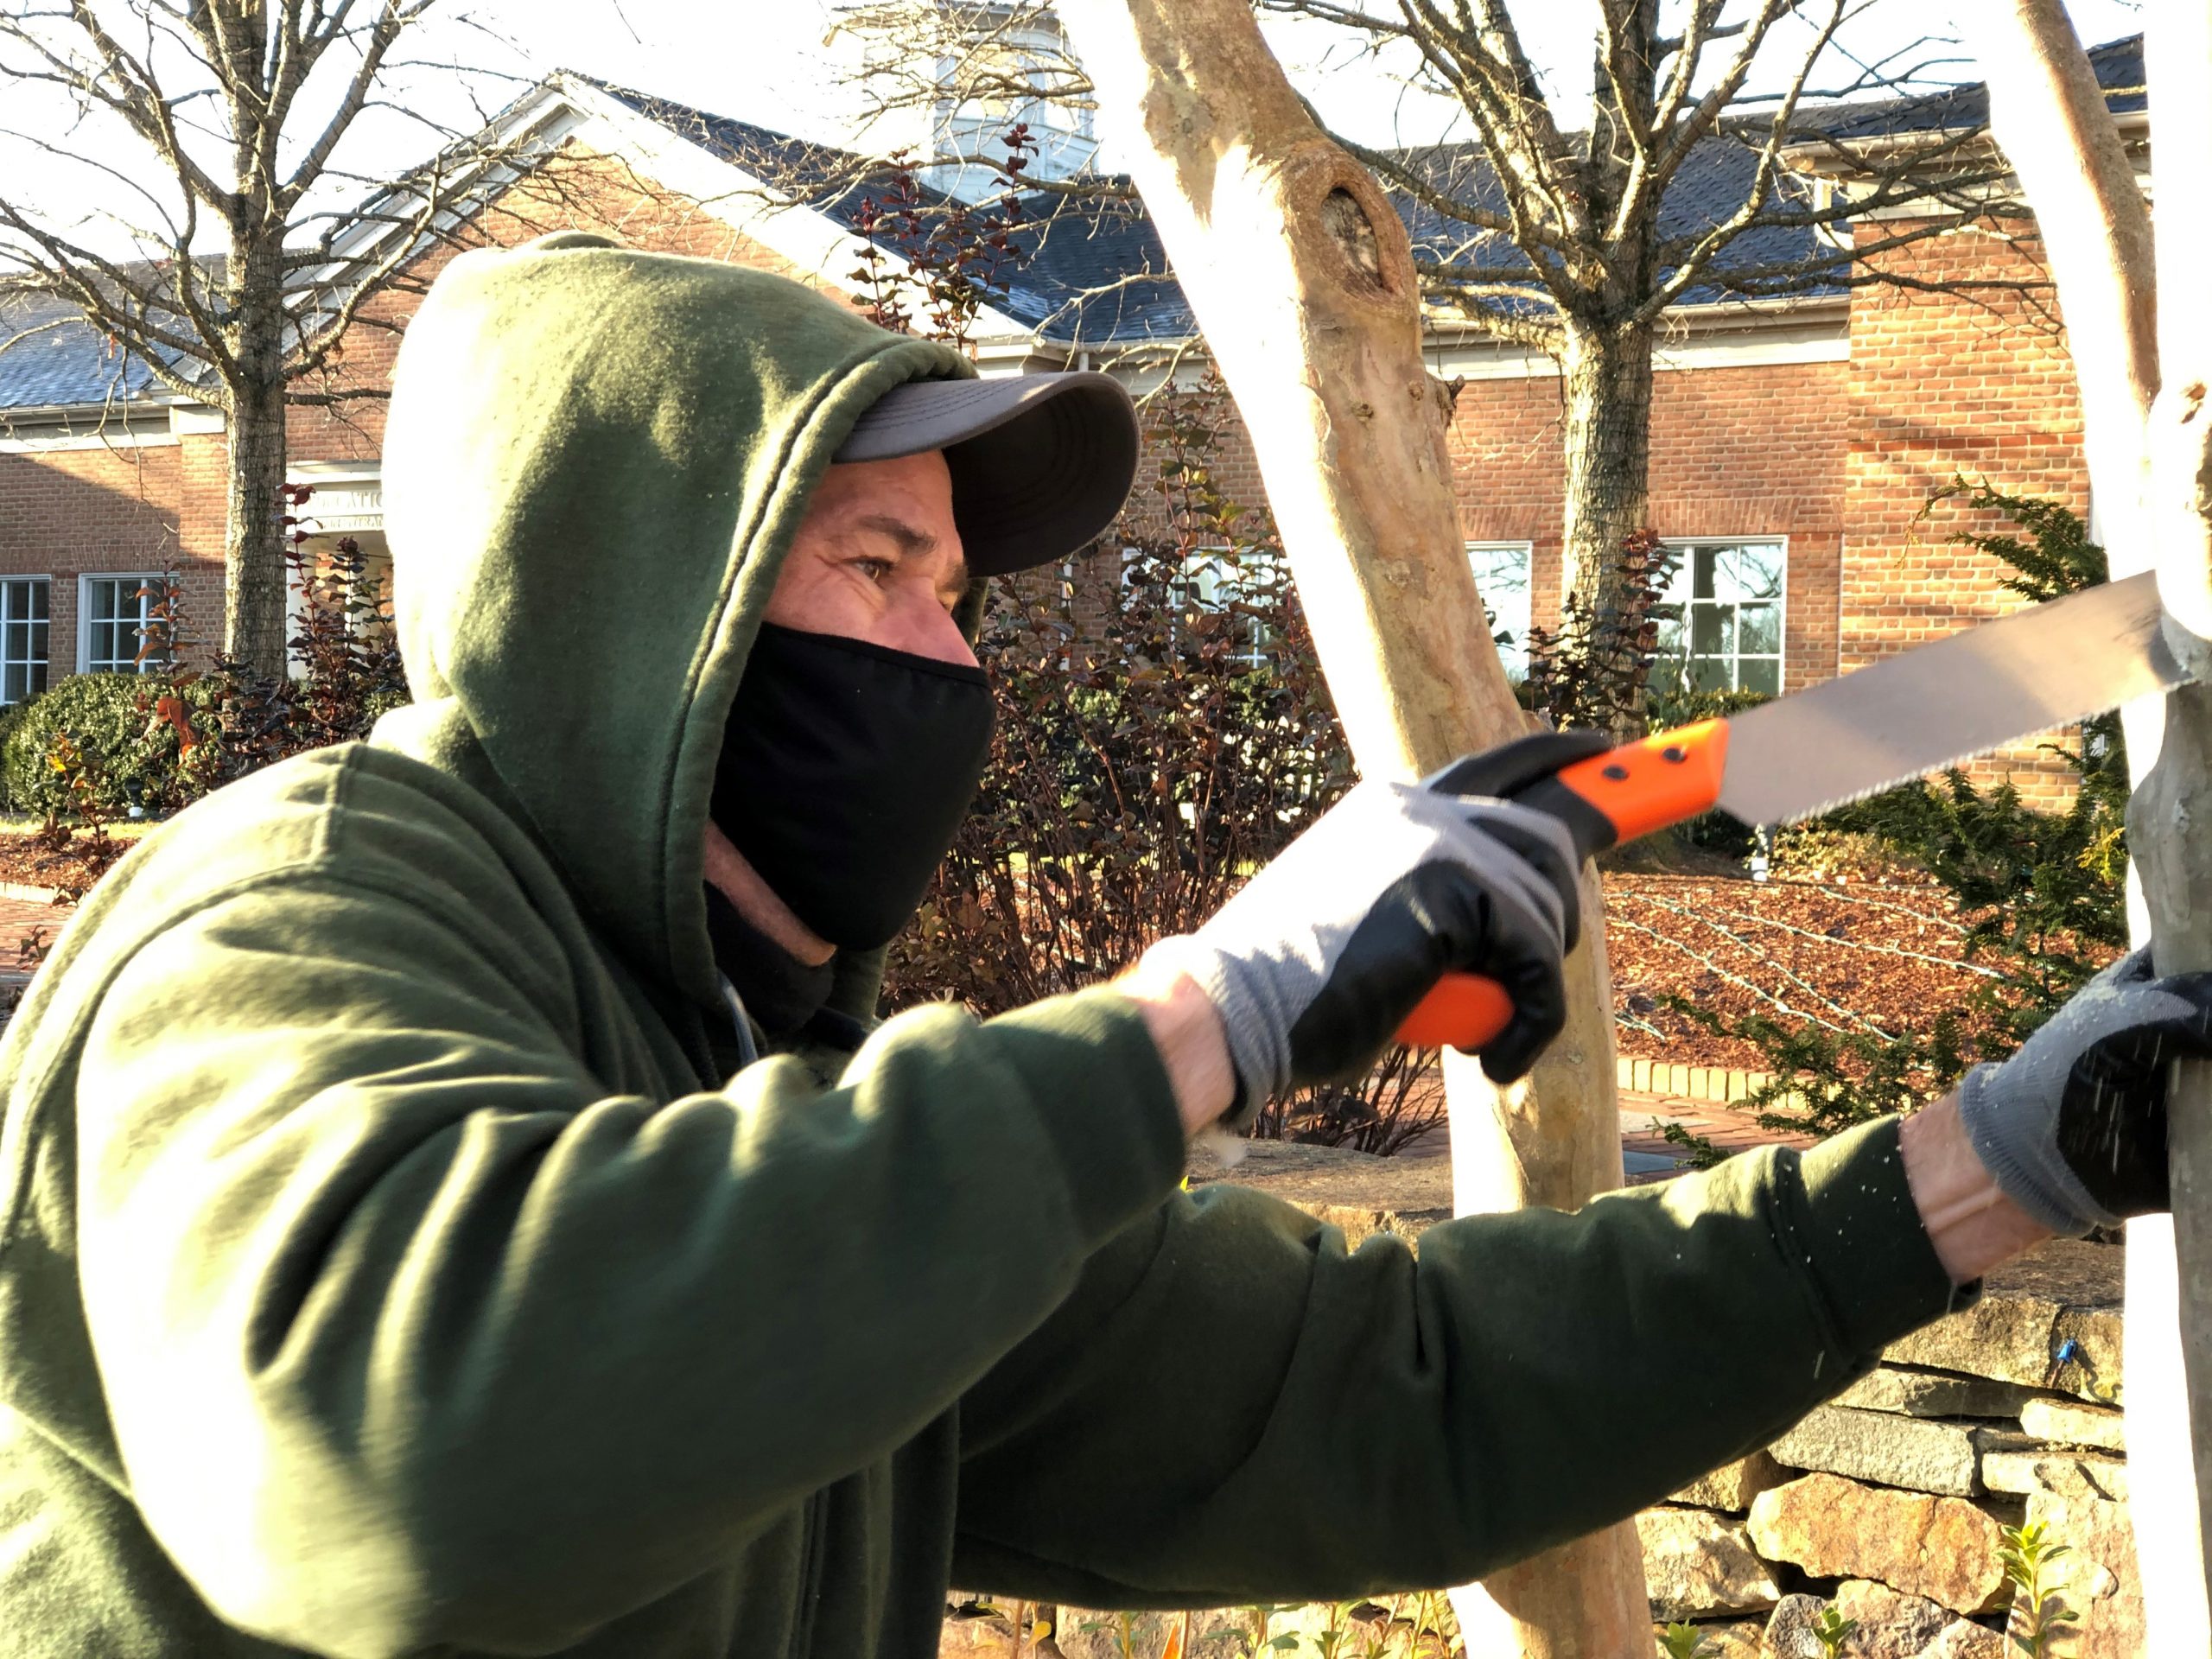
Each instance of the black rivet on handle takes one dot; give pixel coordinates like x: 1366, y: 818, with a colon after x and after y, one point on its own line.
x: 1617, y: 772
x: 1675, y: 752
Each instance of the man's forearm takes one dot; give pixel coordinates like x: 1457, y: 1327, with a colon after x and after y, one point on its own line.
x: 1972, y: 1225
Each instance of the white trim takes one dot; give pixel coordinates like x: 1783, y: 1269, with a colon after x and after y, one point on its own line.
x: 1781, y: 598
x: 348, y: 499
x: 198, y: 420
x: 1754, y: 342
x: 121, y: 425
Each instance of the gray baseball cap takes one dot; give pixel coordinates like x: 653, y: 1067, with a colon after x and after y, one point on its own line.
x: 1040, y: 463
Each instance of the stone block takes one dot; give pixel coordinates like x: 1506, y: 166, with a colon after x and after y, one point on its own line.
x: 1789, y: 1633
x: 1640, y: 1077
x: 1700, y: 1085
x: 1892, y: 1625
x: 1733, y: 1485
x: 1735, y: 1638
x: 1084, y: 1634
x: 1882, y: 1446
x: 2062, y: 1422
x: 2069, y: 1474
x: 1934, y: 1394
x: 1696, y: 1564
x: 2031, y: 1307
x: 985, y: 1634
x: 2099, y: 1579
x: 1963, y: 1639
x: 1943, y: 1548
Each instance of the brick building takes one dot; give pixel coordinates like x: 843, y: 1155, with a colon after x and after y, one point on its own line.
x: 1795, y: 444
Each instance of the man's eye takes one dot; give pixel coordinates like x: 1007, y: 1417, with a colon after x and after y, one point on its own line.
x: 874, y: 569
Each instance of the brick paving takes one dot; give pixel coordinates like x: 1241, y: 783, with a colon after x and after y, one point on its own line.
x: 1646, y: 1154
x: 19, y: 916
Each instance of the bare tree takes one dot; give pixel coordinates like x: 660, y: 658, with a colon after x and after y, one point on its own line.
x: 1555, y: 232
x: 245, y: 236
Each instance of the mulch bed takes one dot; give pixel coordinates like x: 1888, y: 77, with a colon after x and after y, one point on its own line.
x: 78, y: 864
x: 1856, y: 957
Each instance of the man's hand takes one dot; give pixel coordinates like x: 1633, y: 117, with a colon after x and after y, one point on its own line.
x: 1314, y: 964
x: 2073, y: 1128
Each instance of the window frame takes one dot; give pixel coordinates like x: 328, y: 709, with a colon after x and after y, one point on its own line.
x: 1780, y: 656
x: 8, y: 619
x: 1516, y: 656
x: 85, y: 624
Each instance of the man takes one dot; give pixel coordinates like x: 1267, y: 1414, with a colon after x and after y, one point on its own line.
x: 408, y: 1248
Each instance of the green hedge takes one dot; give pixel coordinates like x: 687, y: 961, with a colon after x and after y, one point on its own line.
x: 108, y: 716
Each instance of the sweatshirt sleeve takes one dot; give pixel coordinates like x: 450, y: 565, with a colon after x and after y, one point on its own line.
x: 414, y: 1333
x: 1233, y: 1408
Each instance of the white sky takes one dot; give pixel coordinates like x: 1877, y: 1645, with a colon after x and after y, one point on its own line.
x: 771, y: 62
x: 766, y: 61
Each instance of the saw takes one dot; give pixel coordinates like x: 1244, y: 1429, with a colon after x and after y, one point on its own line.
x: 1800, y: 755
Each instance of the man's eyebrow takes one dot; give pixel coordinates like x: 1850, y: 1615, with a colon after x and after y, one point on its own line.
x: 912, y: 543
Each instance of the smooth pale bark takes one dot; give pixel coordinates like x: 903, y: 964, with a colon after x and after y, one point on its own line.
x: 2146, y: 453
x: 1301, y: 279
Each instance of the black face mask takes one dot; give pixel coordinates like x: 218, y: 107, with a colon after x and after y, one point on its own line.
x: 844, y: 774
x: 780, y: 993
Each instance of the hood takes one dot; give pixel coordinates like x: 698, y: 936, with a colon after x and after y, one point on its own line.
x: 594, y: 464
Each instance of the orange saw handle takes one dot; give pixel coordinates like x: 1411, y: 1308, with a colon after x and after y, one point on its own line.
x: 1609, y: 798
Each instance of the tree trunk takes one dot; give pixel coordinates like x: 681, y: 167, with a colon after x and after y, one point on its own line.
x: 1511, y: 1148
x: 1301, y: 277
x: 1607, y: 392
x: 2146, y: 472
x: 253, y: 545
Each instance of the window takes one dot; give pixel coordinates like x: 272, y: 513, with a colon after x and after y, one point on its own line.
x: 22, y: 637
x: 1720, y: 629
x: 121, y: 629
x: 1210, y: 582
x: 1259, y: 576
x: 1501, y: 576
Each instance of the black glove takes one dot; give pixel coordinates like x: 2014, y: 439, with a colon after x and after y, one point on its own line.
x: 1316, y: 963
x: 2073, y: 1128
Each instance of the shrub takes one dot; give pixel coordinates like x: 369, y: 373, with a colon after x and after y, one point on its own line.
x: 2044, y: 893
x: 11, y: 717
x: 132, y: 754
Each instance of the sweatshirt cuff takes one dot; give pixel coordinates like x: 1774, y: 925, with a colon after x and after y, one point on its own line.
x: 1859, y: 1235
x: 1103, y: 1096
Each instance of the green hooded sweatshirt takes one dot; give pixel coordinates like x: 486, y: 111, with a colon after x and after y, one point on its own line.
x: 396, y: 1257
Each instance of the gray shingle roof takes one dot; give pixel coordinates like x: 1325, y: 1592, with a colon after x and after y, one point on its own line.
x: 2117, y: 66
x: 57, y: 359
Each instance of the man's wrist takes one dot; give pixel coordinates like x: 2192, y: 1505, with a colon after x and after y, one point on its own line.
x: 1971, y: 1222
x: 1187, y: 1031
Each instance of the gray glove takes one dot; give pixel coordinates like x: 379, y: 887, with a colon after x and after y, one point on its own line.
x: 1315, y: 963
x: 2073, y: 1128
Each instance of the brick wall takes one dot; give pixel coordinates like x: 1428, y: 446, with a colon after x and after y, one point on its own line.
x: 1755, y: 451
x: 1749, y: 452
x: 1836, y: 458
x: 68, y: 513
x: 1944, y: 385
x: 580, y: 190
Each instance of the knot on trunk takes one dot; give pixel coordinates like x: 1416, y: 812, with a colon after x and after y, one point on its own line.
x: 1350, y: 228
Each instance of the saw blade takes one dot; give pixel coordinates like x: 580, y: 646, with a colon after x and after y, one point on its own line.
x: 1924, y: 708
